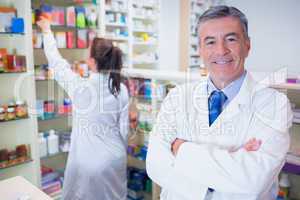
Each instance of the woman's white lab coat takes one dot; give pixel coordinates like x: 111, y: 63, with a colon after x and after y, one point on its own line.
x: 96, y: 166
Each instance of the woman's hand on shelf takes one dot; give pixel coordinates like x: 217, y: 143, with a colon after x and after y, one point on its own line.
x: 44, y: 24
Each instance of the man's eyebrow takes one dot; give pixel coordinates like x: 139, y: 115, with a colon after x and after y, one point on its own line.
x: 231, y: 34
x: 227, y: 35
x: 209, y: 38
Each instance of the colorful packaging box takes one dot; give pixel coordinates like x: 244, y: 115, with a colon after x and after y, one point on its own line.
x: 82, y: 38
x: 61, y: 40
x: 70, y: 16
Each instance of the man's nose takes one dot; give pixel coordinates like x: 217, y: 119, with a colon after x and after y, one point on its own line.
x: 222, y: 49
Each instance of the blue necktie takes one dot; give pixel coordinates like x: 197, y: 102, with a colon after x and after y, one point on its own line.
x: 215, y: 104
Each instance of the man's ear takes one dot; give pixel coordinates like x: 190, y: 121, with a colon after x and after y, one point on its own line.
x: 248, y: 46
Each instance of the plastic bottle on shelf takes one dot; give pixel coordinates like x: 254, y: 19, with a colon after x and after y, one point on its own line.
x: 42, y: 145
x: 92, y: 18
x: 52, y: 141
x: 147, y: 91
x: 284, y: 185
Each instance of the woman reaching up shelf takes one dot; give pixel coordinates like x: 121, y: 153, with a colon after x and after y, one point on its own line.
x: 96, y: 166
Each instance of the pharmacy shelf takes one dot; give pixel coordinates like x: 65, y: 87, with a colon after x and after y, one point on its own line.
x: 55, y: 117
x: 190, y: 11
x: 39, y: 79
x: 296, y: 123
x: 116, y: 24
x: 71, y: 2
x: 145, y: 43
x: 151, y: 6
x: 54, y: 155
x: 147, y: 196
x: 17, y: 164
x: 293, y: 159
x: 291, y: 168
x: 145, y: 18
x: 292, y: 164
x: 287, y: 86
x: 11, y: 34
x: 144, y: 63
x: 125, y: 39
x: 117, y: 11
x: 142, y: 131
x: 64, y: 49
x: 194, y: 66
x: 14, y: 120
x: 136, y: 162
x: 162, y: 75
x: 22, y: 42
x: 143, y: 31
x: 63, y: 27
x: 142, y: 98
x: 16, y: 72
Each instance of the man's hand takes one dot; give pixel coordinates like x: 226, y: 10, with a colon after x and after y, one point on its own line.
x: 176, y: 144
x: 44, y: 24
x: 252, y: 145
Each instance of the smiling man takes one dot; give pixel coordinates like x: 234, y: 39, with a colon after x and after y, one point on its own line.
x: 225, y: 138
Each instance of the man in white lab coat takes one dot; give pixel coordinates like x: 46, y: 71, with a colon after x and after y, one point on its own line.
x: 224, y: 138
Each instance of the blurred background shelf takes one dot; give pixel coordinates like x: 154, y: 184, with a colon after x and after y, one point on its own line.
x: 17, y: 164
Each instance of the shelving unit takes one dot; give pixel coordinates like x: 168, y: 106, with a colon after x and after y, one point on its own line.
x: 116, y: 22
x: 54, y: 155
x: 287, y: 86
x: 2, y: 73
x: 292, y: 165
x: 15, y: 120
x: 20, y: 86
x: 150, y: 105
x: 15, y: 165
x: 131, y: 25
x: 145, y: 17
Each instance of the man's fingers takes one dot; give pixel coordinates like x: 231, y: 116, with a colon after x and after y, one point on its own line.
x: 253, y: 144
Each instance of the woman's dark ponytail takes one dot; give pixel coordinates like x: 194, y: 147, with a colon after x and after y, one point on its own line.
x: 109, y: 60
x: 115, y: 72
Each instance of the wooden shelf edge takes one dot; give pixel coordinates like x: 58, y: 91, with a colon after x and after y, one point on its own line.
x: 15, y: 120
x: 17, y: 164
x: 54, y: 155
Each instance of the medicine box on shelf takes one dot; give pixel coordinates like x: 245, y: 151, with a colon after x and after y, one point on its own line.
x: 12, y: 157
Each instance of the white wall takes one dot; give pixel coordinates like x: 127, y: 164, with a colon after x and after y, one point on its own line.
x: 169, y: 35
x: 274, y: 28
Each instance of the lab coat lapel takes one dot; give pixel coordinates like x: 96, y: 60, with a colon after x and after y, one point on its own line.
x: 200, y: 102
x: 234, y: 108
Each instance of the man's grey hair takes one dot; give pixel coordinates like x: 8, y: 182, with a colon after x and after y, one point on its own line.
x: 221, y: 11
